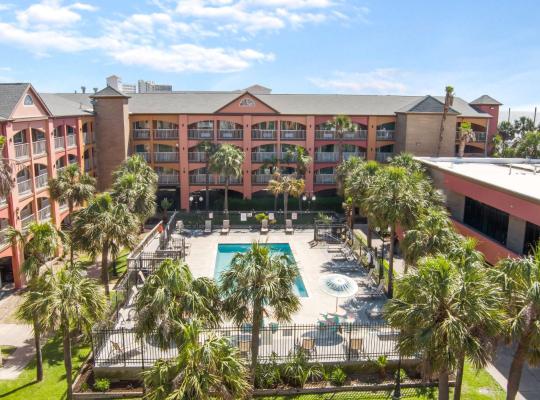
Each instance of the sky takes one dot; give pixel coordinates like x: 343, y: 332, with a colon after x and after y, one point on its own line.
x: 292, y: 46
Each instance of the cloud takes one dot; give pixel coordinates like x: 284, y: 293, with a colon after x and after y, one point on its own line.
x: 52, y: 12
x: 383, y: 80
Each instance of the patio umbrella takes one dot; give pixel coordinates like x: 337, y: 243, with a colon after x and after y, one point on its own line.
x: 339, y: 286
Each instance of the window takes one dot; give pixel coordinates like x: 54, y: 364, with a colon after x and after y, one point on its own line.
x: 532, y: 236
x: 28, y: 101
x: 486, y: 219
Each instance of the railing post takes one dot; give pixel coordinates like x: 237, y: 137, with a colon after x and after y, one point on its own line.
x: 124, y: 346
x: 349, y: 343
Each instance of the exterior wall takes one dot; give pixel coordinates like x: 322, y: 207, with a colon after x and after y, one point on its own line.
x: 492, y: 130
x: 516, y: 234
x: 422, y: 134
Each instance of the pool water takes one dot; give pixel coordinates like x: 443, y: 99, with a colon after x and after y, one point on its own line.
x: 226, y: 252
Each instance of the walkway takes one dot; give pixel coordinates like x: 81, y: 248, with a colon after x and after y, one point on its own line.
x: 21, y: 337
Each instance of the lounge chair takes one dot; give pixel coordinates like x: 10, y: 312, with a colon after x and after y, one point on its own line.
x: 180, y: 226
x: 337, y: 248
x: 264, y: 226
x: 308, y: 345
x: 339, y: 257
x: 141, y: 275
x: 356, y: 346
x: 288, y: 227
x: 208, y: 226
x: 226, y: 227
x: 245, y: 347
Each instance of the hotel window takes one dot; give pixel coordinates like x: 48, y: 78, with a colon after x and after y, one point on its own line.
x: 486, y: 219
x: 532, y: 236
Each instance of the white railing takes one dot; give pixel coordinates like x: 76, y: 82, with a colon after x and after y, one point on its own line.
x: 360, y: 134
x: 287, y: 157
x: 478, y: 136
x: 21, y: 151
x: 263, y: 156
x: 325, y: 179
x: 200, y: 133
x: 39, y: 147
x: 71, y: 140
x: 261, y: 179
x: 322, y: 156
x: 59, y: 142
x: 166, y: 156
x: 383, y: 156
x: 166, y: 134
x: 197, y: 156
x: 296, y: 134
x: 41, y: 180
x: 200, y: 179
x: 145, y: 155
x: 168, y: 179
x: 27, y: 220
x: 24, y: 187
x: 383, y: 134
x: 142, y: 133
x: 45, y: 213
x: 349, y: 154
x: 231, y: 134
x: 326, y: 134
x: 232, y: 180
x: 3, y: 237
x: 263, y: 134
x: 87, y: 137
x: 3, y: 201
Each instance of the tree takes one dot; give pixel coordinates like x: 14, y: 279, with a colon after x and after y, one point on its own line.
x: 63, y: 300
x: 257, y: 283
x: 519, y: 280
x: 39, y: 243
x: 165, y: 205
x: 289, y: 186
x: 448, y: 102
x: 208, y: 148
x: 522, y: 126
x: 438, y: 309
x: 506, y: 130
x: 396, y: 197
x: 407, y: 161
x: 6, y: 181
x: 529, y: 145
x: 465, y: 135
x: 227, y: 161
x: 341, y: 124
x: 302, y: 160
x: 104, y: 227
x: 170, y: 297
x: 203, y: 370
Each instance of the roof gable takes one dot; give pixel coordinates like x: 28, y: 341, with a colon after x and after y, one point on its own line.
x: 247, y: 103
x: 109, y: 91
x: 427, y: 104
x: 10, y: 94
x: 29, y: 105
x: 485, y: 100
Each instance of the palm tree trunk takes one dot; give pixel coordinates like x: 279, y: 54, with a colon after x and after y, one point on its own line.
x: 275, y: 202
x: 37, y: 344
x: 207, y: 186
x: 71, y: 252
x: 285, y: 202
x: 226, y: 203
x: 257, y: 319
x: 444, y: 389
x: 67, y: 360
x: 459, y: 377
x: 368, y: 234
x: 516, y: 368
x: 105, y: 268
x: 352, y: 216
x: 461, y: 150
x: 391, y: 263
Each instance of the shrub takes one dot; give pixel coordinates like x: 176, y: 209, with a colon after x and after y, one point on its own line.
x: 338, y: 377
x: 267, y: 375
x: 84, y: 387
x: 382, y: 363
x: 102, y: 385
x: 261, y: 216
x: 297, y: 371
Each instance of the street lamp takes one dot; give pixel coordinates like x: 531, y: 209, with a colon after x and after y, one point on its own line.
x: 196, y: 200
x: 309, y: 199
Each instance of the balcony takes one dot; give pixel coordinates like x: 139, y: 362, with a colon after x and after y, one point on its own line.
x: 168, y: 179
x: 3, y: 202
x: 44, y: 214
x: 22, y: 151
x: 263, y: 134
x: 166, y: 134
x: 230, y: 134
x: 39, y: 147
x: 261, y: 179
x: 27, y: 220
x: 88, y: 137
x: 166, y: 156
x: 59, y: 143
x: 383, y: 134
x: 201, y: 134
x: 322, y: 156
x: 71, y: 141
x: 24, y: 187
x: 232, y: 180
x: 325, y: 134
x: 263, y: 156
x: 197, y: 156
x: 325, y: 179
x: 293, y: 134
x: 383, y: 157
x: 3, y: 237
x: 145, y: 155
x: 42, y: 180
x: 87, y: 165
x: 141, y: 134
x: 200, y: 179
x: 287, y: 157
x: 478, y: 137
x: 349, y: 154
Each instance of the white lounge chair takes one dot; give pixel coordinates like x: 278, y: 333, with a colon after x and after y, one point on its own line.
x: 208, y: 226
x: 288, y: 226
x: 264, y: 226
x: 379, y: 290
x: 226, y: 227
x: 180, y: 226
x: 141, y: 275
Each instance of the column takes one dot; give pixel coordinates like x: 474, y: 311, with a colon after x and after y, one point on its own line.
x: 183, y: 161
x: 246, y: 123
x: 371, y: 138
x: 310, y: 147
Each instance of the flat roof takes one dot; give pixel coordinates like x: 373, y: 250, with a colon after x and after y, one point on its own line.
x: 519, y: 176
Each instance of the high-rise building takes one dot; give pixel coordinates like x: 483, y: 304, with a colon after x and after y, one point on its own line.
x: 152, y: 87
x: 115, y: 82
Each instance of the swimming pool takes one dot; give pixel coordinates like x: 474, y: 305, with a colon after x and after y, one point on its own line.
x: 226, y: 252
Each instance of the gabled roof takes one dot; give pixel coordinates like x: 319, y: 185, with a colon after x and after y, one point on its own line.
x: 426, y: 104
x: 248, y: 94
x: 486, y: 100
x: 109, y: 91
x: 61, y: 106
x: 10, y: 94
x: 258, y: 89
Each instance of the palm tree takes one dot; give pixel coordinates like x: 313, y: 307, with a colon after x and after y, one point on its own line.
x: 170, y: 297
x: 407, y: 161
x: 465, y: 135
x: 39, y: 243
x: 448, y: 102
x: 203, y: 370
x: 519, y: 280
x: 529, y: 145
x: 439, y: 309
x: 287, y: 185
x: 208, y: 148
x: 6, y: 181
x: 259, y: 283
x: 341, y: 124
x: 63, y: 300
x: 227, y: 161
x: 343, y: 172
x: 396, y: 197
x: 302, y: 160
x: 103, y: 227
x: 274, y: 186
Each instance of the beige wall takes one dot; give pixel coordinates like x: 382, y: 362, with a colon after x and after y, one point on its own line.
x: 421, y: 136
x: 455, y: 202
x: 401, y: 129
x: 516, y: 234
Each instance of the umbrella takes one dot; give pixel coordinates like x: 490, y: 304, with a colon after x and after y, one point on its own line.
x: 339, y: 286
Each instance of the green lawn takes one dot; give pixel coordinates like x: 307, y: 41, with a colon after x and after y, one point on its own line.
x: 7, y: 350
x: 53, y: 385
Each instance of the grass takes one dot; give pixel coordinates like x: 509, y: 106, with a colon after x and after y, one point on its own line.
x: 7, y: 351
x: 53, y: 385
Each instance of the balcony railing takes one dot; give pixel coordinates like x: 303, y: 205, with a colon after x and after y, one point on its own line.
x: 27, y: 220
x: 21, y: 151
x: 263, y: 134
x: 287, y: 157
x: 3, y: 237
x: 59, y: 142
x: 39, y: 147
x: 71, y: 141
x: 232, y: 180
x: 383, y: 134
x: 199, y: 134
x: 322, y: 156
x: 41, y: 180
x: 324, y: 134
x: 168, y: 179
x: 478, y: 136
x: 166, y: 134
x: 166, y: 156
x: 200, y: 179
x: 145, y: 155
x: 325, y: 179
x: 197, y: 156
x: 263, y: 156
x: 261, y: 179
x: 383, y: 156
x: 349, y: 154
x: 3, y: 202
x: 230, y: 134
x: 88, y: 137
x: 45, y: 213
x: 24, y: 187
x: 141, y: 133
x: 293, y: 134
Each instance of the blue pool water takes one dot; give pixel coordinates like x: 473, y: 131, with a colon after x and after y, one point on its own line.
x: 226, y: 252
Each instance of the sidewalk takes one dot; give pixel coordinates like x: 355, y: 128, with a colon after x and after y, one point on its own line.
x: 21, y: 337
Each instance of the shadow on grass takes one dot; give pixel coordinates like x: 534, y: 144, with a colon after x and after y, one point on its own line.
x: 17, y: 389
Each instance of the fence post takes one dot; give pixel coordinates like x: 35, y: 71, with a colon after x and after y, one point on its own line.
x: 124, y: 346
x: 142, y: 352
x: 349, y: 343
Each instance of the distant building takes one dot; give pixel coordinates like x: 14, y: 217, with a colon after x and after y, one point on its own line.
x: 128, y: 88
x: 115, y: 82
x: 152, y: 87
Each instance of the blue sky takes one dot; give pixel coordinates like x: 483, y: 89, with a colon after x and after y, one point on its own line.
x: 312, y: 46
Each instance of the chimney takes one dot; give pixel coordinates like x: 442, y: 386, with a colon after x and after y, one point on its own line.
x: 83, y: 89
